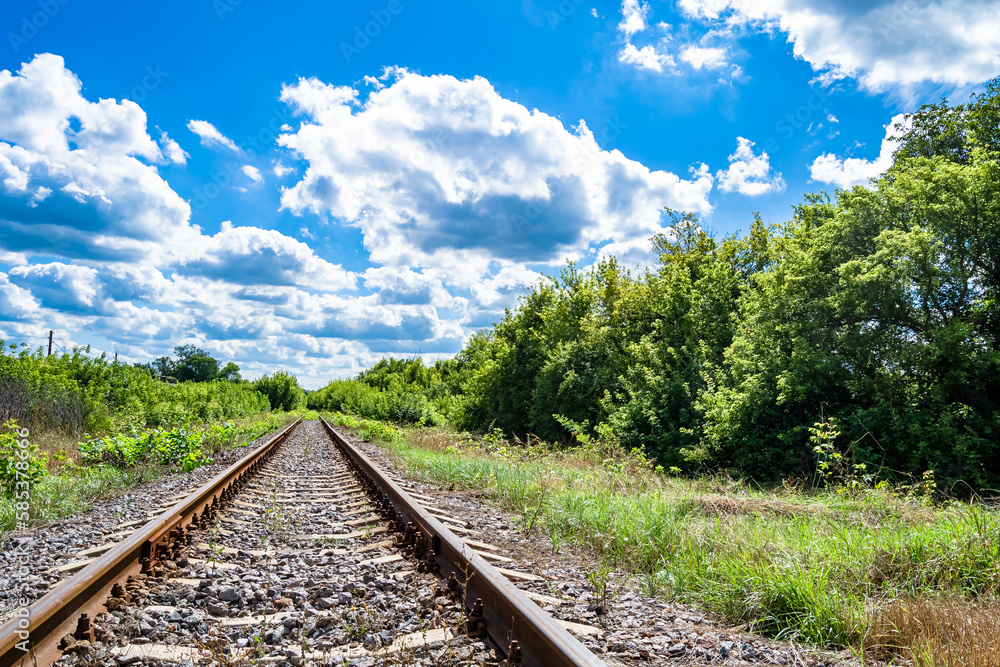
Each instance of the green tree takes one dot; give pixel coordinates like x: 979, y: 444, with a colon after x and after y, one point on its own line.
x: 880, y: 310
x: 282, y: 391
x: 230, y: 373
x: 194, y: 364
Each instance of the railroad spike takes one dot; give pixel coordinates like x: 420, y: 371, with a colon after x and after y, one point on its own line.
x: 118, y: 591
x: 84, y: 630
x: 475, y: 623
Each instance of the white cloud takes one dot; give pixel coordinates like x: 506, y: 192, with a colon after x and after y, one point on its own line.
x: 254, y: 256
x: 172, y: 151
x: 210, y: 135
x: 16, y: 303
x: 848, y: 172
x: 649, y: 57
x: 66, y: 287
x: 78, y: 182
x: 749, y: 174
x: 281, y: 170
x: 447, y: 174
x: 645, y: 58
x: 655, y: 55
x: 636, y: 255
x: 502, y: 289
x: 885, y: 45
x: 71, y: 174
x: 634, y: 16
x: 704, y: 57
x: 253, y: 173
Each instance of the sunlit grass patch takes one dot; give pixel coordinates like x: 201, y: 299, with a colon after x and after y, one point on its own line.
x: 69, y: 481
x: 799, y: 564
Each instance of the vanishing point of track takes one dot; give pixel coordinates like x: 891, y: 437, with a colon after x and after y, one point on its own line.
x: 518, y: 630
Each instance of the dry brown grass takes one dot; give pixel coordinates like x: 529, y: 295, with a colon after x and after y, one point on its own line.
x: 433, y: 439
x: 935, y: 633
x: 717, y: 505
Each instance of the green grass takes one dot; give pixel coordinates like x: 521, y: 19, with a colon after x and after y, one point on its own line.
x: 71, y: 488
x: 61, y: 495
x: 809, y: 566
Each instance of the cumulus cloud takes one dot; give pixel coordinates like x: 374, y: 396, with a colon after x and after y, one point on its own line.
x: 210, y: 136
x: 704, y: 57
x: 16, y: 303
x: 883, y: 45
x: 634, y: 16
x: 308, y: 330
x: 447, y: 174
x: 848, y: 172
x: 254, y: 256
x: 657, y: 54
x: 72, y: 178
x: 78, y: 182
x: 253, y: 173
x: 749, y: 174
x: 65, y: 287
x: 281, y: 170
x: 502, y: 289
x: 645, y: 58
x: 651, y: 57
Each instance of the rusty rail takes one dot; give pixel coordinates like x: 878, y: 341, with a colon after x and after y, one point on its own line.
x: 511, y: 619
x: 57, y: 614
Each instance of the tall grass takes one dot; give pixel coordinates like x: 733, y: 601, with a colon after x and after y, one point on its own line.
x: 804, y: 566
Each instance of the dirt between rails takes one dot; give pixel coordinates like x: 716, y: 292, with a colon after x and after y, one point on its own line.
x: 634, y: 628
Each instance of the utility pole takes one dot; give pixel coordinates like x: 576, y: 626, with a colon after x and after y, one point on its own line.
x: 50, y: 342
x: 116, y: 357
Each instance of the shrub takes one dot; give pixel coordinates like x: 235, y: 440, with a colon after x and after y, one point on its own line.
x: 19, y: 463
x: 400, y: 405
x: 177, y: 446
x: 282, y: 391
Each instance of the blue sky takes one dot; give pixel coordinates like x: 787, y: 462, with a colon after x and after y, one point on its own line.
x: 316, y: 186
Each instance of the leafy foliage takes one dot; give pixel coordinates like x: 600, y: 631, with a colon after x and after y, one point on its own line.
x: 19, y: 463
x: 158, y: 446
x: 876, y: 310
x: 282, y: 391
x: 195, y: 365
x: 403, y: 391
x: 75, y: 392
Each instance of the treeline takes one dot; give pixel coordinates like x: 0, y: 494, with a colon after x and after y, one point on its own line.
x: 76, y: 393
x: 874, y: 313
x: 397, y: 390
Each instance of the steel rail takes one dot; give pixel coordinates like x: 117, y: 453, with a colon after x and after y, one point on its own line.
x: 58, y: 613
x: 512, y: 620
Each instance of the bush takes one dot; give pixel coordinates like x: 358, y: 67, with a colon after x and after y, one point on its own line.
x: 399, y: 405
x: 73, y: 393
x: 282, y: 391
x: 177, y: 446
x: 18, y: 463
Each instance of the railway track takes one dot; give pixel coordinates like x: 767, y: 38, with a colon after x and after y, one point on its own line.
x: 302, y: 552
